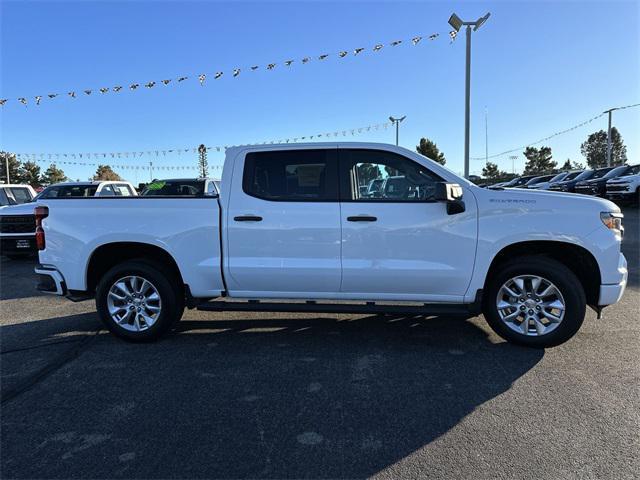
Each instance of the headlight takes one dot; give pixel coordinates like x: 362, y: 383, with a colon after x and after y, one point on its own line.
x: 613, y: 221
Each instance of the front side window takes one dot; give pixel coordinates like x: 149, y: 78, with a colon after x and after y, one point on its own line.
x: 379, y: 176
x: 294, y: 175
x: 122, y: 190
x: 635, y: 170
x: 107, y: 191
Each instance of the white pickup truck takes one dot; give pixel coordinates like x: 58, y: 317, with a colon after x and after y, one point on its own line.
x: 294, y: 228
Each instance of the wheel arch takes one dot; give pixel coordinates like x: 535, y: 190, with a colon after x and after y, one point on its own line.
x: 577, y: 258
x: 110, y: 254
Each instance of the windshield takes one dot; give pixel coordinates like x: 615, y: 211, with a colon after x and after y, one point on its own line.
x: 601, y: 173
x: 179, y: 188
x: 584, y: 175
x: 635, y: 170
x: 67, y: 191
x: 573, y: 175
x: 558, y: 177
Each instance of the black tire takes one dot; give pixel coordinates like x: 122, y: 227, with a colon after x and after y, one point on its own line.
x: 169, y: 289
x: 563, y: 278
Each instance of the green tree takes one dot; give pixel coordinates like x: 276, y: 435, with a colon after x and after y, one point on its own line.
x: 29, y: 173
x: 104, y: 172
x: 203, y: 165
x: 14, y: 166
x: 430, y: 150
x: 53, y: 175
x: 569, y: 165
x: 367, y: 172
x: 594, y: 149
x: 539, y: 161
x: 491, y: 172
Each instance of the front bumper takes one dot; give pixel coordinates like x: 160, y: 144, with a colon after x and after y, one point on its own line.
x: 612, y: 293
x: 50, y: 280
x: 17, y: 244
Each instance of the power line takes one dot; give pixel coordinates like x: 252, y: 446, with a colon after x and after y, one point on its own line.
x: 556, y: 134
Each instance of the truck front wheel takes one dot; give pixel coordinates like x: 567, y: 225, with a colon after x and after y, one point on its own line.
x: 534, y: 301
x: 139, y: 300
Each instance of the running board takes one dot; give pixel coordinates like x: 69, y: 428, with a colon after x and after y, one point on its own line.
x: 312, y: 306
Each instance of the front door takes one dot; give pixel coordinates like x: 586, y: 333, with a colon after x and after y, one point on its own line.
x: 283, y: 225
x: 397, y: 242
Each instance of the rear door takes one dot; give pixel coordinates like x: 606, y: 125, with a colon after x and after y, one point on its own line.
x: 283, y: 224
x: 397, y: 242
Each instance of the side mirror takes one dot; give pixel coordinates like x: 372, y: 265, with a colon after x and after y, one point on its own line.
x: 451, y: 193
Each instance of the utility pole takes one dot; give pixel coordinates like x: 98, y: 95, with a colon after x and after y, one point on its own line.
x: 609, y: 137
x: 486, y: 136
x: 513, y: 163
x: 397, y: 122
x: 457, y: 23
x: 7, y: 161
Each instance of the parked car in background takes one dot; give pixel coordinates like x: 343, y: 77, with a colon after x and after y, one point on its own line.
x: 569, y: 183
x: 518, y: 182
x: 545, y: 185
x: 290, y: 232
x: 626, y: 187
x: 15, y: 194
x: 597, y: 185
x: 535, y: 181
x: 17, y: 222
x: 182, y: 187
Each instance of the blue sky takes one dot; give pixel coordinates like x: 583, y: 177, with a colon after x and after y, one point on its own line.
x: 538, y: 67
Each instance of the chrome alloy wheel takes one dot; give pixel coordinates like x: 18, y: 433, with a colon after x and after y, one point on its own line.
x: 530, y: 305
x: 134, y: 303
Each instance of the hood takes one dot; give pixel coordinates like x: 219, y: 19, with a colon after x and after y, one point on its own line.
x: 547, y: 199
x: 626, y: 179
x: 22, y: 209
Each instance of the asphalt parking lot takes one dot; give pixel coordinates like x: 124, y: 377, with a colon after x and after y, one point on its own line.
x: 306, y: 396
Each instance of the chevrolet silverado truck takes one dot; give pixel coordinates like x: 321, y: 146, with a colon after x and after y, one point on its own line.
x: 292, y: 230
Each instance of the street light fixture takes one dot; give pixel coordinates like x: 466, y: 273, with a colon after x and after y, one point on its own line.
x: 397, y: 122
x: 457, y: 24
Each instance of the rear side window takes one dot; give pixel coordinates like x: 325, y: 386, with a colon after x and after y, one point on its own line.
x: 122, y: 190
x: 294, y: 175
x: 21, y: 195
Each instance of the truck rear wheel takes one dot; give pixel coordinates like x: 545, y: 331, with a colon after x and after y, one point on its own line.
x: 139, y: 300
x: 534, y: 301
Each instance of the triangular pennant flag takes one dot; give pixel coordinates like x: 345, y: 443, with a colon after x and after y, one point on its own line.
x: 52, y: 95
x: 396, y: 43
x: 378, y: 47
x: 182, y: 79
x: 104, y: 90
x: 22, y: 100
x: 150, y: 84
x: 271, y: 66
x: 72, y: 94
x: 38, y: 98
x: 201, y: 78
x: 167, y: 81
x: 236, y: 72
x: 323, y: 56
x: 358, y: 50
x: 416, y: 40
x: 433, y: 36
x: 255, y: 67
x: 133, y: 86
x: 343, y: 54
x: 305, y: 59
x: 453, y: 34
x: 117, y: 88
x: 88, y: 92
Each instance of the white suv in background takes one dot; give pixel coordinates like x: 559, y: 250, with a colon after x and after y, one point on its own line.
x: 17, y: 221
x: 15, y: 194
x: 625, y: 187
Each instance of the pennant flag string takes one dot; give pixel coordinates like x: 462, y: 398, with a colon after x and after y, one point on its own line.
x: 234, y: 72
x: 80, y: 159
x: 553, y: 135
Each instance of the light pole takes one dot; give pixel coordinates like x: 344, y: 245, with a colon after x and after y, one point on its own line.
x: 513, y: 159
x: 457, y: 23
x: 609, y: 136
x: 397, y: 122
